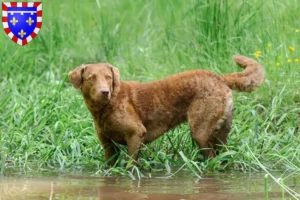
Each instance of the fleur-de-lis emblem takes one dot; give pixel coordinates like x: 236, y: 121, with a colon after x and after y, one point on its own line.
x: 29, y: 21
x: 22, y: 33
x: 14, y: 21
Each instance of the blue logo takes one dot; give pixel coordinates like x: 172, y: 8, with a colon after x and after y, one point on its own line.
x: 22, y: 21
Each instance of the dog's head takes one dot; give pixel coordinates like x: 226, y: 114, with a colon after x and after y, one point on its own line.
x: 98, y: 82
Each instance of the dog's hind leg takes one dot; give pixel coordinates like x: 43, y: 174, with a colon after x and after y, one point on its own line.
x: 201, y: 129
x: 222, y: 131
x: 204, y: 141
x: 205, y: 117
x: 223, y: 125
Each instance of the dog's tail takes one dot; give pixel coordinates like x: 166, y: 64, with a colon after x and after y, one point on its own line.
x: 247, y: 80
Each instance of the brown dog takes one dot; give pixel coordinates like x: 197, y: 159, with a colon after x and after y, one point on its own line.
x: 136, y: 113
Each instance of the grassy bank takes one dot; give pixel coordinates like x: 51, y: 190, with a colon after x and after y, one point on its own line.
x: 44, y: 122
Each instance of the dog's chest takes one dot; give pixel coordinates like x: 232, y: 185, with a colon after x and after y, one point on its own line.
x: 115, y: 136
x: 110, y: 131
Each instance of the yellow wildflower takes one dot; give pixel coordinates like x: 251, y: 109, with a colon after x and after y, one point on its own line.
x: 257, y: 53
x: 296, y: 60
x: 289, y: 60
x: 291, y: 48
x: 269, y: 45
x: 278, y: 64
x: 297, y: 30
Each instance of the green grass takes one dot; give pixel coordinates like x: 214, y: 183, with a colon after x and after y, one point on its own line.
x: 44, y: 122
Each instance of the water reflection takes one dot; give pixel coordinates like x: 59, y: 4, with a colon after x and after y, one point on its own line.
x: 183, y: 186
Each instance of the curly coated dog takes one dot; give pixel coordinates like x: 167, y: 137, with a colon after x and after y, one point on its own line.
x: 134, y: 113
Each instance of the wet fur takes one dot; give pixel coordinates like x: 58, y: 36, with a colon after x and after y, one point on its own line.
x: 137, y: 113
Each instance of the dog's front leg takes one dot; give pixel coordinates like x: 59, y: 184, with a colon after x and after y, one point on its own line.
x: 133, y: 130
x: 134, y: 140
x: 134, y: 144
x: 110, y: 152
x: 109, y: 149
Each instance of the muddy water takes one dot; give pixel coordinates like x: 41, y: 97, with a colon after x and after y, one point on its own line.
x: 221, y: 186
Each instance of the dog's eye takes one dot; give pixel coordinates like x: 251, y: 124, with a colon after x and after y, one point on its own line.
x: 107, y: 77
x: 90, y: 78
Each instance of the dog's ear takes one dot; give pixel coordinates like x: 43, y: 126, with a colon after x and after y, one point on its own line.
x: 116, y: 78
x: 75, y: 76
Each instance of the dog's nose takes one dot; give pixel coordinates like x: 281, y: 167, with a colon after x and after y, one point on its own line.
x: 104, y: 91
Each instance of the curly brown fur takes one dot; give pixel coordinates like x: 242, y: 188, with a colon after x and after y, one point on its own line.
x: 134, y: 113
